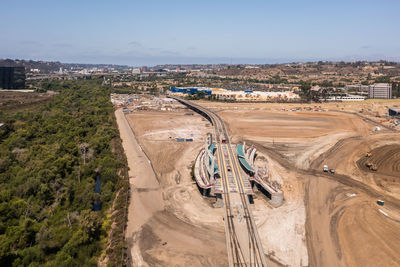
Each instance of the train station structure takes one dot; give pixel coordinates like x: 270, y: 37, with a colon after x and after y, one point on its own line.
x: 206, y: 173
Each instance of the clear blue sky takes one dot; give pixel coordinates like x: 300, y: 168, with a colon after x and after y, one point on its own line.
x: 154, y: 32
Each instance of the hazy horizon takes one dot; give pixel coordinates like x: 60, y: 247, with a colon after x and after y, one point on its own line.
x: 216, y: 61
x: 136, y: 33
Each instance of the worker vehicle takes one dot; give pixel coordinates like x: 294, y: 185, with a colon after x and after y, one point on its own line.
x: 371, y: 166
x: 332, y: 171
x: 326, y: 168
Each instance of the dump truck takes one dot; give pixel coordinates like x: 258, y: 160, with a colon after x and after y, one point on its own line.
x: 326, y: 168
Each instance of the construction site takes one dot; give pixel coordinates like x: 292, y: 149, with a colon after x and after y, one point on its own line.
x: 245, y: 184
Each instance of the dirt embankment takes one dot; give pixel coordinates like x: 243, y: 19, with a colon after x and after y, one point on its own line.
x: 386, y: 160
x: 348, y: 157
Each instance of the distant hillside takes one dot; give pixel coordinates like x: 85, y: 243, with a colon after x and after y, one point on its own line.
x: 49, y: 67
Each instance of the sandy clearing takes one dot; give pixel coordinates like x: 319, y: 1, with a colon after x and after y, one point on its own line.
x: 283, y: 237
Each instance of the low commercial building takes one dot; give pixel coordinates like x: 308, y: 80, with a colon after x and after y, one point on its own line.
x: 190, y: 90
x: 380, y: 90
x: 248, y: 95
x: 228, y: 94
x: 346, y: 97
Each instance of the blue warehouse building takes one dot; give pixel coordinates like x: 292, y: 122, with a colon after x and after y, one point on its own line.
x: 190, y: 90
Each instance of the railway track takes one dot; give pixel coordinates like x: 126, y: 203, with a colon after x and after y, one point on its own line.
x: 243, y: 242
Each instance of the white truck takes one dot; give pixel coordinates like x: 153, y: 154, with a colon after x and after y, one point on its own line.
x: 326, y: 168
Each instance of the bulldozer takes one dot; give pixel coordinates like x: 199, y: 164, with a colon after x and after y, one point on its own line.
x: 371, y: 166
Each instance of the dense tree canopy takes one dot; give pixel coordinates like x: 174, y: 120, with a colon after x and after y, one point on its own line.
x: 49, y: 161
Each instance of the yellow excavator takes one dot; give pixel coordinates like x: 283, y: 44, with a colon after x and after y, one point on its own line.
x: 369, y: 154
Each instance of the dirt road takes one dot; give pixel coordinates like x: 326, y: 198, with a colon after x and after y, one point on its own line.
x: 146, y: 197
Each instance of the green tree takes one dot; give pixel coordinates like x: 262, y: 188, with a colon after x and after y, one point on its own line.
x: 305, y: 88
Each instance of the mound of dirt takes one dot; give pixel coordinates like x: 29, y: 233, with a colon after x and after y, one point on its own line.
x: 386, y: 160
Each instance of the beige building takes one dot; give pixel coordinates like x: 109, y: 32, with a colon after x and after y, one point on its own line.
x: 380, y: 90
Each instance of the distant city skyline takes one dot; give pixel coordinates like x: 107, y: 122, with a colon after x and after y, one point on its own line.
x: 139, y: 33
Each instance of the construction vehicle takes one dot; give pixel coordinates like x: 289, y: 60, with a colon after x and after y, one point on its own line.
x: 369, y: 154
x: 371, y: 166
x: 326, y: 168
x: 332, y: 171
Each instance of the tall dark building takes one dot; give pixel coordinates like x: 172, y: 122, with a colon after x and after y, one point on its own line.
x: 12, y: 77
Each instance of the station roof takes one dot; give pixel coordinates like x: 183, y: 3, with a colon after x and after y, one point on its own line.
x: 244, y: 163
x: 216, y: 170
x: 211, y: 147
x: 240, y: 151
x: 242, y: 159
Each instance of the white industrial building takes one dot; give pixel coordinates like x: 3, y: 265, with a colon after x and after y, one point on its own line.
x: 380, y: 90
x: 346, y: 97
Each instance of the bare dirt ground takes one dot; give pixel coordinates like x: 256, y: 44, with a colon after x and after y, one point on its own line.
x: 283, y: 238
x: 326, y: 220
x: 349, y: 157
x: 387, y: 161
x: 181, y: 227
x: 11, y: 101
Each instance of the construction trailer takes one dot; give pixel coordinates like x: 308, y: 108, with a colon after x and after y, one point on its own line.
x: 394, y: 112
